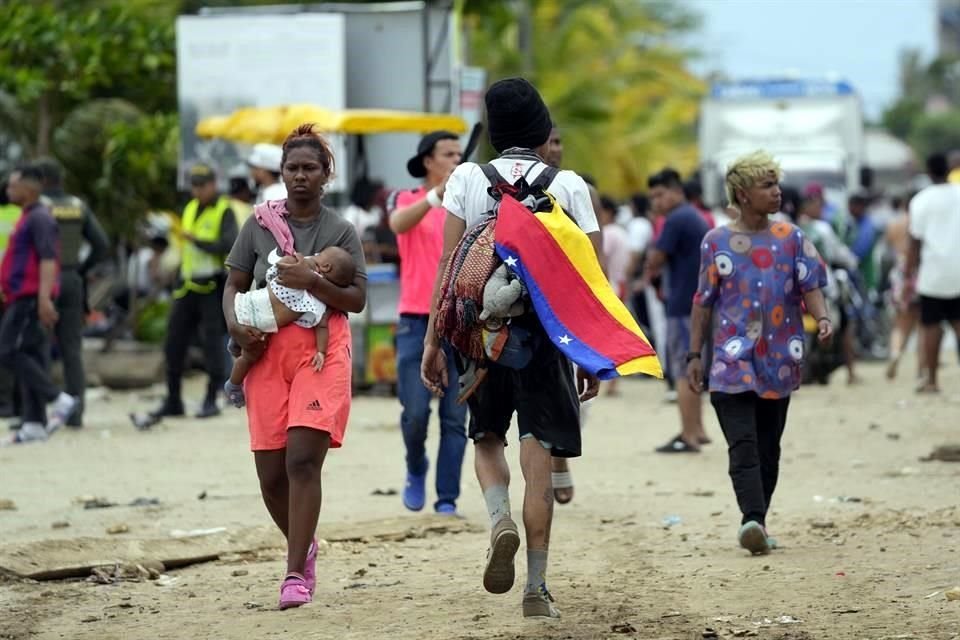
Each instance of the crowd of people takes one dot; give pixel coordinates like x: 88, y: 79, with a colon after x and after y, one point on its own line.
x: 739, y: 300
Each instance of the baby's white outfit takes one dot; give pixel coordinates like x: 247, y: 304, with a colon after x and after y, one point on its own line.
x: 253, y: 308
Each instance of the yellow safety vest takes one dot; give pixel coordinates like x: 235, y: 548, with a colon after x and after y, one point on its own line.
x: 198, y: 268
x: 9, y: 214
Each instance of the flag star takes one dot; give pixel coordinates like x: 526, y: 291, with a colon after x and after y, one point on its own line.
x: 565, y: 339
x: 511, y: 261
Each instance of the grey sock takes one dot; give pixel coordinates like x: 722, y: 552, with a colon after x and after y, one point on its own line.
x: 498, y: 503
x: 536, y: 569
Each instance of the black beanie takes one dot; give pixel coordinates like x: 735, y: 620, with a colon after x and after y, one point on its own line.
x: 516, y: 115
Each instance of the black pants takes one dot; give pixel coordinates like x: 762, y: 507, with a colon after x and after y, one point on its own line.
x: 25, y: 352
x: 753, y: 427
x: 69, y: 332
x: 196, y: 314
x: 8, y: 391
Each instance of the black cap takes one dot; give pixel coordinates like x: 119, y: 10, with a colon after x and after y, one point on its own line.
x: 415, y: 164
x: 516, y: 115
x: 201, y: 174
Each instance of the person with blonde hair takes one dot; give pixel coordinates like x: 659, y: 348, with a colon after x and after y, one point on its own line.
x: 755, y: 277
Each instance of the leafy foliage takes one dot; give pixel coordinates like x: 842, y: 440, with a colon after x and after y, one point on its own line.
x: 927, y: 114
x: 53, y: 56
x: 614, y: 82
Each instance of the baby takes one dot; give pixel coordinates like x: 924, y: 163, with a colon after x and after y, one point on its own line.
x: 276, y: 306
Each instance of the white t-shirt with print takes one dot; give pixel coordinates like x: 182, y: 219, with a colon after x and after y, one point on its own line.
x: 935, y: 222
x: 466, y: 193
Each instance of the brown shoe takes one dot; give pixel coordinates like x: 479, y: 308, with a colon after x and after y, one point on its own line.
x: 499, y: 574
x: 539, y: 604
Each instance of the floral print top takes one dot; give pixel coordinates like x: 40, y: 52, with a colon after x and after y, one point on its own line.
x: 755, y: 283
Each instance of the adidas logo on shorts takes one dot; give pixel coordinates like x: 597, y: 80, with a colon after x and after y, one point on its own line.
x: 314, y: 406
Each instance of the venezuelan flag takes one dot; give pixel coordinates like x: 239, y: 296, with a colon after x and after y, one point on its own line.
x: 572, y: 298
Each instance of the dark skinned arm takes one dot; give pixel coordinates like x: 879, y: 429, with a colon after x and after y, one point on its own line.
x: 654, y: 264
x: 299, y: 275
x: 700, y: 319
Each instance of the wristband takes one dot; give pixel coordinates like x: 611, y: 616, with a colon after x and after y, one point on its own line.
x: 827, y: 318
x: 433, y: 198
x: 692, y: 355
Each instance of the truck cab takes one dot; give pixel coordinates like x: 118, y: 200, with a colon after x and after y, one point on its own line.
x: 813, y: 128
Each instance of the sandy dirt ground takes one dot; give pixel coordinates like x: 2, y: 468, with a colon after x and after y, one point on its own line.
x: 869, y: 532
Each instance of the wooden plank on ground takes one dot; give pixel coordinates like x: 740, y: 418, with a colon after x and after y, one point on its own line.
x: 77, y: 557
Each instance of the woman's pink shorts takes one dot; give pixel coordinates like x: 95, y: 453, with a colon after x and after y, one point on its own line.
x: 284, y: 391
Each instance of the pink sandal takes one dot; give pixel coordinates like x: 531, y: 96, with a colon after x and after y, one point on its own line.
x: 310, y: 567
x: 294, y: 592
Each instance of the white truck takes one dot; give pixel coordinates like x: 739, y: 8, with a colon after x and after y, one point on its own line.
x: 813, y: 127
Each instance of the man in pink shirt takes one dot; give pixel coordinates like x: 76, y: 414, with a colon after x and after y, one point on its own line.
x: 417, y: 217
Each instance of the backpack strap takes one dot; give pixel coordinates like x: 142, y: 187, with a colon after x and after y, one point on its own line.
x: 493, y: 176
x: 545, y: 179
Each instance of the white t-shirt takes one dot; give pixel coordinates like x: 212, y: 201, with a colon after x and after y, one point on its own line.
x: 466, y: 194
x: 935, y: 221
x: 362, y: 219
x: 275, y: 191
x: 640, y: 232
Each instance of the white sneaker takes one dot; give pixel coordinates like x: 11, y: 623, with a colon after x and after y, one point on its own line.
x: 28, y: 432
x: 60, y: 410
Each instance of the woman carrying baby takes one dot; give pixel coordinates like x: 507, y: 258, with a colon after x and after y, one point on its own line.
x: 295, y: 412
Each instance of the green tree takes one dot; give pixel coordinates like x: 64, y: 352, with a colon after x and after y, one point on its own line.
x: 56, y: 55
x: 610, y: 73
x: 927, y: 113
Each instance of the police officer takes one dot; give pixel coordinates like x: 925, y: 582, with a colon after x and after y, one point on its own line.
x: 9, y: 214
x: 208, y: 231
x: 77, y: 224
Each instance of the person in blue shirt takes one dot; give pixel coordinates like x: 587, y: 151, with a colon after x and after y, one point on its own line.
x: 678, y: 249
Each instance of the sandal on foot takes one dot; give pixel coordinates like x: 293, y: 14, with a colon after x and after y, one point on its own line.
x: 310, y: 567
x: 677, y: 445
x: 294, y: 592
x: 562, y: 486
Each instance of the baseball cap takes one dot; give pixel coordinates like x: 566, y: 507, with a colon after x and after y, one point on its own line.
x: 813, y: 190
x: 201, y: 174
x: 415, y: 164
x: 266, y: 156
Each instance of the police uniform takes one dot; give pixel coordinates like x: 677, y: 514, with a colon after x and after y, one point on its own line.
x: 197, y: 304
x: 9, y: 214
x: 76, y: 224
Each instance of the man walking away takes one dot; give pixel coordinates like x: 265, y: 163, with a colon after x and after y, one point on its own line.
x: 76, y: 223
x: 678, y: 248
x: 934, y: 260
x: 29, y: 284
x: 544, y: 394
x: 417, y: 217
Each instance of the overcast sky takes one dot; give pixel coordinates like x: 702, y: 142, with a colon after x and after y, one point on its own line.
x: 859, y: 40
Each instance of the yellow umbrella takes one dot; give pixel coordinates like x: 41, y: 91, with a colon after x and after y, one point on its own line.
x: 364, y: 121
x: 251, y: 125
x: 272, y: 124
x: 212, y: 127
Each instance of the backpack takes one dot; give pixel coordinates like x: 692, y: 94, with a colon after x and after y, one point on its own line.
x: 473, y: 262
